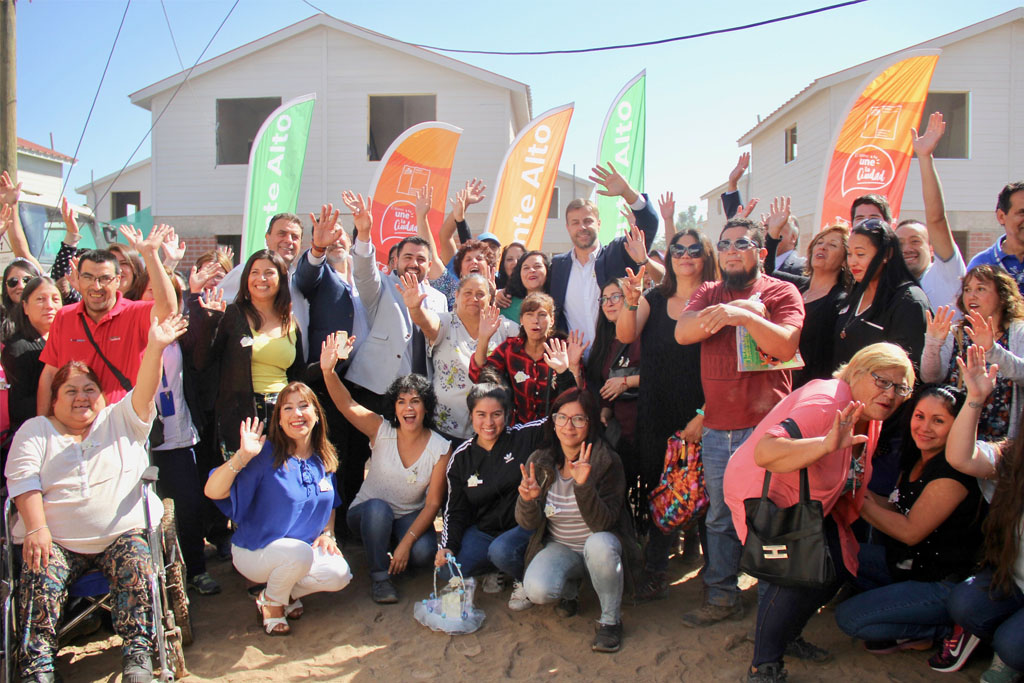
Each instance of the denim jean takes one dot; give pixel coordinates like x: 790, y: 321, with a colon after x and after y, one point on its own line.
x: 374, y: 522
x: 724, y: 548
x: 481, y: 552
x: 893, y: 610
x: 557, y: 570
x: 992, y: 615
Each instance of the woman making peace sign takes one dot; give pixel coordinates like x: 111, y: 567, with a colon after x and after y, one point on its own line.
x: 573, y: 497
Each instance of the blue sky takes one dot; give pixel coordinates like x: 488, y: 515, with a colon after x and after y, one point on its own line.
x: 702, y: 94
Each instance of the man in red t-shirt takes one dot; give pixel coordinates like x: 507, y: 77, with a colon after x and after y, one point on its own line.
x: 772, y: 312
x: 118, y: 326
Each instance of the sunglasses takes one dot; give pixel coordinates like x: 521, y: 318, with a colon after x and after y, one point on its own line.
x: 742, y: 244
x: 679, y: 250
x: 12, y: 282
x: 611, y: 298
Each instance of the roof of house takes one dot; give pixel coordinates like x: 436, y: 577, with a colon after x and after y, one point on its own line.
x: 522, y: 98
x: 864, y: 68
x: 45, y: 152
x: 98, y: 182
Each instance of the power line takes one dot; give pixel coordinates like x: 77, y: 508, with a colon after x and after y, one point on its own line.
x: 160, y: 115
x: 173, y: 41
x: 96, y: 96
x: 626, y: 45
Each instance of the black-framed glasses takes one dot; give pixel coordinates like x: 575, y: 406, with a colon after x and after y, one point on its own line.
x: 88, y: 278
x: 680, y: 250
x: 578, y: 421
x: 884, y: 384
x: 12, y: 282
x: 610, y: 299
x: 741, y: 244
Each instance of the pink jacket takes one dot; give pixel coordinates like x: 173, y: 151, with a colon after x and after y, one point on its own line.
x: 813, y: 407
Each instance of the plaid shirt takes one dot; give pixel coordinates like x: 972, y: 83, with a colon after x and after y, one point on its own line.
x: 529, y: 379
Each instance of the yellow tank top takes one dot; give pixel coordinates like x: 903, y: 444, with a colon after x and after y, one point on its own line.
x: 271, y: 358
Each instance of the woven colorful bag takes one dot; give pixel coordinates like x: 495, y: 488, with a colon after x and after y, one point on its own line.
x: 680, y: 496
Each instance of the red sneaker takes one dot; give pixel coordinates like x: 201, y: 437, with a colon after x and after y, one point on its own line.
x: 955, y: 651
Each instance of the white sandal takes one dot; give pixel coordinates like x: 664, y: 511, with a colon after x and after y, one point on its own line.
x: 294, y: 609
x: 271, y: 624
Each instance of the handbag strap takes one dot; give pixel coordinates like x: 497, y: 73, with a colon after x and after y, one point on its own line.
x: 121, y: 379
x: 793, y: 429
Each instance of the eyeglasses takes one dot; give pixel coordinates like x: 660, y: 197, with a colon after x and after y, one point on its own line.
x: 610, y: 299
x: 88, y: 278
x: 12, y: 282
x: 884, y: 384
x: 679, y: 250
x: 742, y: 244
x: 578, y: 421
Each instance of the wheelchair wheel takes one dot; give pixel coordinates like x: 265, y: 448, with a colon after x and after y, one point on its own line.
x: 177, y: 590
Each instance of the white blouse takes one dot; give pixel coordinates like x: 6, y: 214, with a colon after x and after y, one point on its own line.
x: 403, y: 488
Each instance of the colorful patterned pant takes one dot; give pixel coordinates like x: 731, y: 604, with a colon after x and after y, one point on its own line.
x: 127, y: 565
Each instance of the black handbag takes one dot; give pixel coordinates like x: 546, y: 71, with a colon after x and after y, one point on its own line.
x: 787, y: 546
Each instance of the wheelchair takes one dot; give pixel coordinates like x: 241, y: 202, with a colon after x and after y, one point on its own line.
x: 172, y: 622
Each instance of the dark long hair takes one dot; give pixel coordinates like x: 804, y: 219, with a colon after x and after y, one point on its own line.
x: 888, y: 264
x: 709, y: 273
x: 22, y: 325
x: 283, y: 300
x: 951, y: 397
x: 501, y: 279
x: 137, y: 265
x: 515, y: 281
x: 1002, y: 525
x: 604, y: 341
x: 591, y: 408
x: 322, y: 446
x: 7, y: 306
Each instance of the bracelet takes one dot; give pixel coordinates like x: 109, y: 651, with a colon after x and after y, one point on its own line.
x: 700, y: 411
x: 975, y: 404
x: 632, y: 307
x: 29, y: 533
x: 328, y: 534
x: 414, y: 536
x: 232, y: 467
x: 319, y: 251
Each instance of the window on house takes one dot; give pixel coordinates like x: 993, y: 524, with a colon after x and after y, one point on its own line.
x: 233, y: 241
x: 553, y: 209
x: 124, y: 203
x: 961, y: 237
x: 790, y: 144
x: 954, y: 108
x: 238, y: 121
x: 392, y: 115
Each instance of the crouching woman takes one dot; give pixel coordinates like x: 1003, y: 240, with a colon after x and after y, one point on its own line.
x: 573, y: 498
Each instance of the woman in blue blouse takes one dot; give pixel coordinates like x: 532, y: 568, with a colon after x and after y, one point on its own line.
x: 282, y: 494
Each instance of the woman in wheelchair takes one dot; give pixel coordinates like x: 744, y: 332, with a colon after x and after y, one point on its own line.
x: 281, y: 493
x: 74, y: 477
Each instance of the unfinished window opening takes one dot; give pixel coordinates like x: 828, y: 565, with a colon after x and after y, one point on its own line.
x: 238, y: 121
x: 392, y: 115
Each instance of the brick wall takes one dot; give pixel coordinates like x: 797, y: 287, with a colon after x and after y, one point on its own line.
x: 195, y: 246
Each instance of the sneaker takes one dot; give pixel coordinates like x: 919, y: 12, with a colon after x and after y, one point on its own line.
x: 955, y: 651
x: 801, y: 649
x: 518, y: 601
x: 384, y: 592
x: 652, y: 586
x: 567, y: 607
x: 204, y: 584
x: 1000, y: 672
x: 136, y: 668
x: 709, y: 614
x: 887, y: 647
x: 491, y: 583
x: 608, y: 638
x: 772, y: 672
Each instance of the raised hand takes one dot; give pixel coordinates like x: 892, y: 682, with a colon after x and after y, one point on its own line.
x: 490, y: 321
x: 938, y: 325
x: 71, y: 231
x: 9, y: 192
x: 250, y: 439
x: 475, y: 189
x: 424, y: 200
x: 980, y: 382
x: 580, y: 467
x: 6, y: 218
x: 737, y: 172
x: 613, y: 184
x: 576, y: 346
x: 634, y: 285
x: 841, y: 435
x: 133, y: 236
x: 409, y: 287
x: 745, y: 211
x: 459, y: 203
x: 556, y: 355
x: 636, y: 243
x: 361, y: 215
x: 325, y: 228
x: 778, y: 216
x: 529, y: 489
x: 981, y: 330
x: 154, y: 242
x: 198, y: 278
x: 73, y: 274
x: 227, y: 252
x: 213, y: 300
x: 174, y: 249
x: 163, y: 334
x: 924, y: 146
x: 667, y: 208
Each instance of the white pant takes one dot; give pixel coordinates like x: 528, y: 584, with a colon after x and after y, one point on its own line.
x: 292, y: 569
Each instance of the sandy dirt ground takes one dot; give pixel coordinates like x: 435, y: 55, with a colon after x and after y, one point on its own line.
x: 347, y: 637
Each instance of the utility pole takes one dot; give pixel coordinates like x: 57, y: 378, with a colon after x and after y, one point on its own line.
x: 8, y: 91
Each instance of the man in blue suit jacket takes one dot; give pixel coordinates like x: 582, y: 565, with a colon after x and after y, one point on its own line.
x: 578, y: 275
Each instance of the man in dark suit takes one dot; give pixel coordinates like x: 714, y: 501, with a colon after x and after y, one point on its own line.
x: 787, y: 257
x: 578, y: 275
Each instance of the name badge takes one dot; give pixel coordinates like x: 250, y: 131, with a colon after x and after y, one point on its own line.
x: 325, y: 484
x: 550, y: 510
x: 410, y: 478
x: 474, y: 481
x: 245, y: 341
x: 521, y: 377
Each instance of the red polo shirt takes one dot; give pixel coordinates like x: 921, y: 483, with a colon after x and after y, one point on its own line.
x: 121, y: 334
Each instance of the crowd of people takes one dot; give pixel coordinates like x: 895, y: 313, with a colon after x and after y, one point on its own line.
x: 511, y: 410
